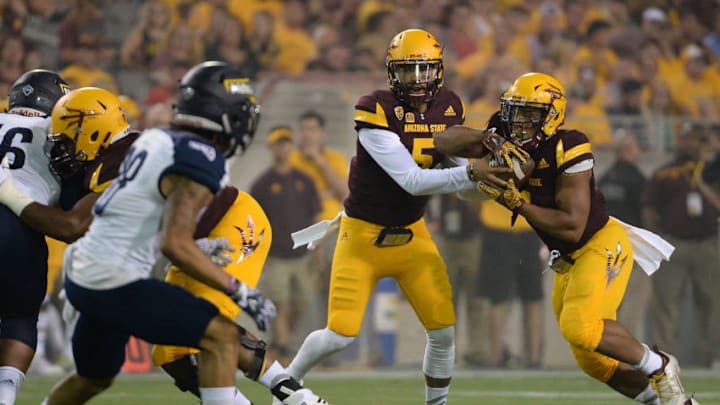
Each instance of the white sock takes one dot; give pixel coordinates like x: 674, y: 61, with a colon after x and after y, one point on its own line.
x: 436, y: 396
x: 10, y: 381
x: 648, y: 396
x: 273, y: 374
x: 218, y: 395
x: 650, y: 363
x: 318, y: 346
x: 240, y: 399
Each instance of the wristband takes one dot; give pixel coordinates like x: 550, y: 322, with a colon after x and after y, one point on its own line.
x: 232, y: 287
x: 14, y: 198
x: 470, y: 169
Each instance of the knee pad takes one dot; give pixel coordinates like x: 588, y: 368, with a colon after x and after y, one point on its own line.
x: 439, y: 353
x: 184, y: 372
x: 583, y: 334
x: 259, y: 347
x: 22, y: 329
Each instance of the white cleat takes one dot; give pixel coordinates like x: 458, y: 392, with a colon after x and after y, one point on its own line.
x: 303, y: 397
x: 667, y: 384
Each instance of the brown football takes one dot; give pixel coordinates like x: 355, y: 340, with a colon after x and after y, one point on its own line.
x: 521, y: 171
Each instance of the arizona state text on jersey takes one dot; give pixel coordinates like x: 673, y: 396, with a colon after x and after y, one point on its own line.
x: 374, y: 196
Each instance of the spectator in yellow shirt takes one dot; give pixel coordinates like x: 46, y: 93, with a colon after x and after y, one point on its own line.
x: 327, y: 167
x: 297, y: 49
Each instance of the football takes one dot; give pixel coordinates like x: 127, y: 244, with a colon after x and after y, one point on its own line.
x: 521, y: 171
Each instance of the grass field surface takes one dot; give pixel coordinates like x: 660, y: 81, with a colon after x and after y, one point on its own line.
x: 399, y: 387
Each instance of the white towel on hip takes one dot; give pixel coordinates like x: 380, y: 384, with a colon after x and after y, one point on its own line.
x: 313, y: 234
x: 649, y: 248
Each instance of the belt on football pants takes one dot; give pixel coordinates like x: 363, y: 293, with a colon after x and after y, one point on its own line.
x: 393, y: 236
x: 559, y: 263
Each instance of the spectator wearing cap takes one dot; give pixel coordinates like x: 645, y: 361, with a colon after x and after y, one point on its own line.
x: 628, y: 113
x: 656, y: 26
x: 698, y: 89
x: 682, y: 211
x: 291, y: 202
x: 597, y: 50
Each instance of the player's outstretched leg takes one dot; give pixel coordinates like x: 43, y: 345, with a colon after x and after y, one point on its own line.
x: 253, y: 360
x: 438, y: 364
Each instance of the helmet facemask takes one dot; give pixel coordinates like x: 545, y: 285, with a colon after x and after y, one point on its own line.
x: 416, y: 81
x: 524, y: 121
x: 60, y: 151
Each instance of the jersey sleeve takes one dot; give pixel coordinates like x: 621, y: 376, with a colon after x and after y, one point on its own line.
x: 572, y: 148
x: 199, y: 161
x: 369, y: 113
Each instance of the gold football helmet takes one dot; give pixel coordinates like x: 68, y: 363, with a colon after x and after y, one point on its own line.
x: 130, y: 108
x: 83, y: 123
x: 414, y: 64
x: 533, y: 105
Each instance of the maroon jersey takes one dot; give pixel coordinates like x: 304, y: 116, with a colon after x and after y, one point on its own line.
x: 374, y: 196
x: 552, y: 157
x: 97, y: 175
x: 104, y: 169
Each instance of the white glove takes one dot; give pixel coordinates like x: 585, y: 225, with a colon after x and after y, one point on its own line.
x: 217, y: 249
x: 256, y: 305
x: 9, y: 194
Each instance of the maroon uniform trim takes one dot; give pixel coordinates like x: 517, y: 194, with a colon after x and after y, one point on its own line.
x: 104, y: 169
x: 552, y: 157
x: 215, y: 211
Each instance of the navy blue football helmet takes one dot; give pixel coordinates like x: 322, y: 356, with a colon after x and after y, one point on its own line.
x: 37, y: 90
x: 218, y: 99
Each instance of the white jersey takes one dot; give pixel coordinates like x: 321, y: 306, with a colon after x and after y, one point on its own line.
x: 122, y: 243
x: 22, y: 141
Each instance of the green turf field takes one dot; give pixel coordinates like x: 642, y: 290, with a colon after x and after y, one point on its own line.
x: 356, y: 388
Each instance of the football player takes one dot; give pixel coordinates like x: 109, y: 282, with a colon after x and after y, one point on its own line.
x: 590, y: 252
x: 87, y: 139
x: 382, y: 233
x: 166, y: 178
x: 23, y: 274
x: 238, y: 219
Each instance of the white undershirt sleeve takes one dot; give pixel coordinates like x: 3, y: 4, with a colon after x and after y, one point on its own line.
x: 391, y: 155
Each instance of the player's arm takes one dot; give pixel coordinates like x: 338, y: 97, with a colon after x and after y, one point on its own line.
x: 66, y: 226
x: 184, y: 201
x: 461, y: 141
x: 391, y: 155
x: 567, y: 222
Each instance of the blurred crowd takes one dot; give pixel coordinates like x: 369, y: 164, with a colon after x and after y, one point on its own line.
x: 636, y: 73
x: 621, y: 61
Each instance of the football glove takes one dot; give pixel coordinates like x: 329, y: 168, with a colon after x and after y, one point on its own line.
x: 502, y: 149
x: 256, y: 305
x: 217, y: 249
x: 510, y: 197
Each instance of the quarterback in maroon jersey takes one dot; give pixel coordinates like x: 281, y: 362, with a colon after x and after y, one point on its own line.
x: 382, y: 233
x: 590, y: 252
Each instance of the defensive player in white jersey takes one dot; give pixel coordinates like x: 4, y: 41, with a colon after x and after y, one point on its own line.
x: 23, y: 273
x: 167, y: 177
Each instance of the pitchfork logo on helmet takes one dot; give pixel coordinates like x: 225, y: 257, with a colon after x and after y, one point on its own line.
x: 218, y: 99
x: 533, y: 107
x: 414, y: 64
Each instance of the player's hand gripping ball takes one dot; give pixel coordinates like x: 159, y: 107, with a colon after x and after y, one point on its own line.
x: 520, y: 170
